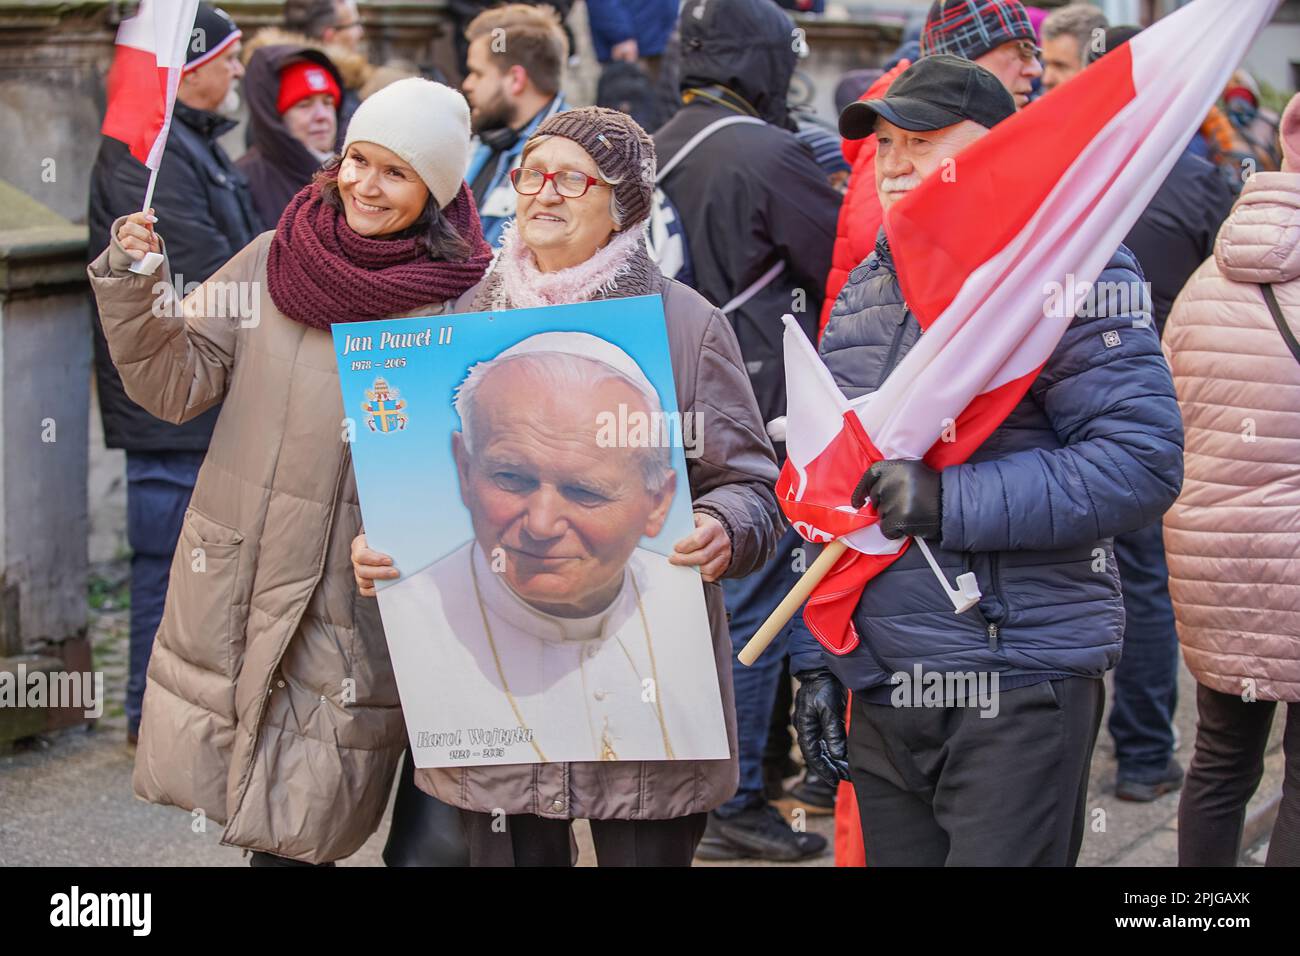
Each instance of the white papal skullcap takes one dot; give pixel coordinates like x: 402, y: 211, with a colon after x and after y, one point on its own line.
x: 584, y: 345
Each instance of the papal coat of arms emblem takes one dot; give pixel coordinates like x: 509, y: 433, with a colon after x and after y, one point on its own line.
x: 385, y: 411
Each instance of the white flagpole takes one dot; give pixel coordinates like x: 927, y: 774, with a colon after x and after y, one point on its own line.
x: 176, y: 44
x: 149, y: 263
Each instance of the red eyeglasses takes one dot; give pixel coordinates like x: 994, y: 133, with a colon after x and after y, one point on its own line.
x: 570, y: 183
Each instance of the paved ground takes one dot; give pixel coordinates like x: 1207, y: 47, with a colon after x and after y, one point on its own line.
x: 67, y: 799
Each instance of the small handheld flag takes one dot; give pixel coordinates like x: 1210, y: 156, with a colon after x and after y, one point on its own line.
x: 142, y: 83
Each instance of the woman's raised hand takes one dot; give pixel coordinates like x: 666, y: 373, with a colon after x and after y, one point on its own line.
x: 137, y: 236
x: 370, y: 566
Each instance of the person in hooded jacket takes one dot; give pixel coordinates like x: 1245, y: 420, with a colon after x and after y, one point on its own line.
x: 335, y: 27
x: 294, y: 96
x: 759, y: 231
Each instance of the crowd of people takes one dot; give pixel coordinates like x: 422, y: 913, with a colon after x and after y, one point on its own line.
x: 369, y: 192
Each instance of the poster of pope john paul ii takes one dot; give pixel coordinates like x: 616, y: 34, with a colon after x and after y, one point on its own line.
x: 526, y: 472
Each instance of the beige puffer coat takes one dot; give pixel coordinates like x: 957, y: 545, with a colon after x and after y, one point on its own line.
x: 1233, y: 536
x: 270, y: 703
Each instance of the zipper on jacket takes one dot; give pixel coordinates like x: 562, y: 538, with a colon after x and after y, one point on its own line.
x: 895, y: 344
x: 996, y: 588
x: 992, y: 630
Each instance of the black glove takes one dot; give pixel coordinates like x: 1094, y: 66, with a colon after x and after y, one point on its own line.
x: 908, y: 495
x: 819, y: 724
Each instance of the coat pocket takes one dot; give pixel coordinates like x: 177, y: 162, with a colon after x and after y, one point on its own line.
x: 198, y: 622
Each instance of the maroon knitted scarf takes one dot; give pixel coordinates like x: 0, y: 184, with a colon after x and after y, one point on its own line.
x: 319, y: 271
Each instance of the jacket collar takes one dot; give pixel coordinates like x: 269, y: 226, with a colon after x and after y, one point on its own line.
x: 884, y: 255
x: 207, y: 124
x: 557, y: 105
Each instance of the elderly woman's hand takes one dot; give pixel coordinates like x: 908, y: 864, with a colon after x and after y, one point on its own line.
x: 370, y: 566
x: 708, y: 547
x: 136, y: 235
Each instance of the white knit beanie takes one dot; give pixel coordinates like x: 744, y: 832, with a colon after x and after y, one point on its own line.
x: 425, y: 123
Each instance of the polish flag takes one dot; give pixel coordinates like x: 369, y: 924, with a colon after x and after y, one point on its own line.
x: 146, y: 70
x: 994, y: 264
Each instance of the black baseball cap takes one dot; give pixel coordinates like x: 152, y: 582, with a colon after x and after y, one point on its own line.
x: 934, y: 92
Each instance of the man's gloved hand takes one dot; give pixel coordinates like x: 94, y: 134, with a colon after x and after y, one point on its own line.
x: 819, y: 724
x: 908, y: 495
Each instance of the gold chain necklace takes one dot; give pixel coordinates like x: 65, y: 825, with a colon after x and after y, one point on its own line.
x: 607, y: 750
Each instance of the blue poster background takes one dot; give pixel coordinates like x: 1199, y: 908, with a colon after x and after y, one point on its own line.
x: 406, y: 478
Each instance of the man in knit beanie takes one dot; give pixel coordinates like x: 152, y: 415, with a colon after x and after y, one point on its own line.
x: 996, y: 34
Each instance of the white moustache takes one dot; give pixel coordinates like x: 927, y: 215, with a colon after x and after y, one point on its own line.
x: 899, y: 184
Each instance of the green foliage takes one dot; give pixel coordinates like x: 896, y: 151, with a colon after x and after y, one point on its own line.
x: 104, y: 594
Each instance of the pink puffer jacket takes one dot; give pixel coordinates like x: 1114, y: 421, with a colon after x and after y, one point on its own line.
x: 1233, y: 537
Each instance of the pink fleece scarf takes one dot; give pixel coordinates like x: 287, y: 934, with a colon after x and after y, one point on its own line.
x: 617, y: 270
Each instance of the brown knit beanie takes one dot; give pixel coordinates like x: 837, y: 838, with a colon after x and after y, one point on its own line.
x: 621, y: 149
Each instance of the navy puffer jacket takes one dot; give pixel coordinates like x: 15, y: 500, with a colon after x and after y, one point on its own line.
x: 1092, y: 450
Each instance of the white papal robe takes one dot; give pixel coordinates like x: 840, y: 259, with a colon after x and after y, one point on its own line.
x: 574, y: 689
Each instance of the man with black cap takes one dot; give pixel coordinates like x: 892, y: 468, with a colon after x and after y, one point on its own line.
x: 972, y: 734
x: 207, y: 203
x: 996, y: 34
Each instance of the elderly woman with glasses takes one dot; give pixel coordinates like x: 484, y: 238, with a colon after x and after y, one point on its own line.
x: 585, y: 187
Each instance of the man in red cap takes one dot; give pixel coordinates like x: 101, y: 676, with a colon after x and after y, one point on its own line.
x: 294, y: 94
x: 308, y: 102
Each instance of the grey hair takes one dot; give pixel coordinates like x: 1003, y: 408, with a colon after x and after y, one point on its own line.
x: 565, y: 372
x: 616, y: 211
x: 1079, y: 20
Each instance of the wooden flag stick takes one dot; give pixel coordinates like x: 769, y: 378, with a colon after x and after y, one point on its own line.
x: 792, y: 602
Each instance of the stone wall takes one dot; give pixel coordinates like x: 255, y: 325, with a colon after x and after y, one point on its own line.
x: 55, y: 55
x: 44, y: 397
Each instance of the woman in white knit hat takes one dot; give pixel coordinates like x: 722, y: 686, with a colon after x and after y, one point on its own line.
x: 270, y: 702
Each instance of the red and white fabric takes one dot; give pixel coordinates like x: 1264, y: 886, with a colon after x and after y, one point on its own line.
x: 1040, y: 203
x: 146, y: 71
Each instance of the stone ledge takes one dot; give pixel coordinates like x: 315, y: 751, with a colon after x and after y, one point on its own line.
x: 19, y: 722
x: 39, y: 249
